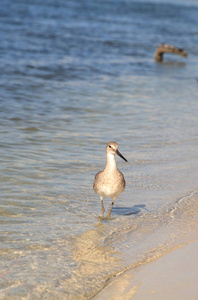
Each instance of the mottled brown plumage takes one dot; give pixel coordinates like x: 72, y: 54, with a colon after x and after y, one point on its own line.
x: 110, y: 182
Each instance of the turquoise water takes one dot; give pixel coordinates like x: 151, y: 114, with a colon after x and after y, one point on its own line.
x: 75, y: 75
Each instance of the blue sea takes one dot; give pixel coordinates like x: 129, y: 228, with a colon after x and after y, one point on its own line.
x: 76, y: 74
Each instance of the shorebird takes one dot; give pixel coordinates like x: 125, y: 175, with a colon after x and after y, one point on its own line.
x: 110, y: 182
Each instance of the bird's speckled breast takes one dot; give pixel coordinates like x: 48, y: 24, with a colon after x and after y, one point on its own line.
x: 109, y: 184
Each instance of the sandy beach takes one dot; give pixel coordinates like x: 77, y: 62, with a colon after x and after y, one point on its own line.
x: 172, y: 276
x: 74, y: 76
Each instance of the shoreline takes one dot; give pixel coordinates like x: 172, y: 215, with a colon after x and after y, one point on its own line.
x: 172, y: 276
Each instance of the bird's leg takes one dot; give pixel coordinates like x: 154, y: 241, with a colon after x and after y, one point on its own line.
x: 109, y: 214
x: 103, y: 210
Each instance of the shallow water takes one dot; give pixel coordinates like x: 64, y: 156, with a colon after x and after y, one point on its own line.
x: 74, y: 76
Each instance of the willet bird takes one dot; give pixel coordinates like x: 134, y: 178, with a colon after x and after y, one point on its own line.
x: 110, y: 182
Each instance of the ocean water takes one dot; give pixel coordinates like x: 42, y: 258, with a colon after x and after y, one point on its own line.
x: 75, y: 75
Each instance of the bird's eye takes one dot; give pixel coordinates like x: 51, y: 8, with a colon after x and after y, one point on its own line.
x: 109, y: 146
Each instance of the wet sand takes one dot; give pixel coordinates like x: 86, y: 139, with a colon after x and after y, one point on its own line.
x: 172, y: 276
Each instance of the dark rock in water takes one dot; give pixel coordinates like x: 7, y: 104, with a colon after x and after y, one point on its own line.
x: 163, y: 48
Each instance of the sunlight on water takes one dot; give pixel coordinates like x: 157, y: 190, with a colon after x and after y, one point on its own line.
x: 67, y: 88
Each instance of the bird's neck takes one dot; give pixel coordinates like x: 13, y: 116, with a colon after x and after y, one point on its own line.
x: 111, y: 163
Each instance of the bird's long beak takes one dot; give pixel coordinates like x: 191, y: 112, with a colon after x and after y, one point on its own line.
x: 118, y: 153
